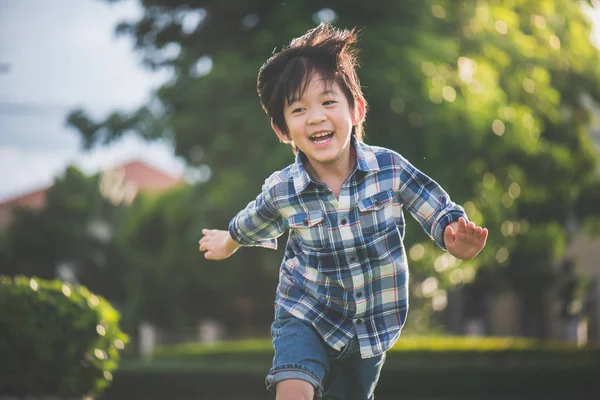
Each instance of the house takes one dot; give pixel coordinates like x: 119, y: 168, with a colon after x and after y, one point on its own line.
x: 33, y: 200
x: 119, y: 183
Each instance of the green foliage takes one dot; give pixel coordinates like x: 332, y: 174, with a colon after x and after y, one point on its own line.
x: 158, y: 238
x: 38, y: 242
x: 57, y: 339
x: 488, y: 98
x: 435, y: 344
x: 462, y: 367
x: 452, y: 382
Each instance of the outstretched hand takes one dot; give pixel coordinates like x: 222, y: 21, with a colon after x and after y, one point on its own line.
x: 217, y: 244
x: 464, y: 240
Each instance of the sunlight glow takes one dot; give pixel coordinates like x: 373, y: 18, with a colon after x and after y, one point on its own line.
x: 498, y: 127
x: 502, y: 255
x: 66, y: 290
x: 538, y: 21
x: 202, y: 67
x: 501, y: 27
x: 438, y: 11
x: 417, y: 252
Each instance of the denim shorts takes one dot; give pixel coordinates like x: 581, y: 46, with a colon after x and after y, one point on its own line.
x: 301, y: 353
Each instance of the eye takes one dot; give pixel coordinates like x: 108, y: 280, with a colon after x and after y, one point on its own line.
x: 297, y: 110
x: 329, y: 102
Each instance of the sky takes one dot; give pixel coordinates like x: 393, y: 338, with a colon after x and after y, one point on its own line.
x: 61, y: 54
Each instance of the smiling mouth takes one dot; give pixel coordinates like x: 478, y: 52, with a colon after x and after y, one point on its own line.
x: 320, y: 138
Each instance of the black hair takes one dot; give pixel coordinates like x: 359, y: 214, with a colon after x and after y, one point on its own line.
x: 324, y: 50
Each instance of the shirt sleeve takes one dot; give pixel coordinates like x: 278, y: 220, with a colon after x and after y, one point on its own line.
x: 427, y: 202
x: 260, y: 223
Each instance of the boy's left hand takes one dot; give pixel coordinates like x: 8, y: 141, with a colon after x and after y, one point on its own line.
x: 464, y: 240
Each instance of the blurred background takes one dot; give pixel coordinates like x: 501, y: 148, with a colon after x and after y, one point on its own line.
x: 126, y: 127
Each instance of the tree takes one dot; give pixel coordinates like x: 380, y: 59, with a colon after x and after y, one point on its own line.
x: 489, y: 98
x: 71, y: 237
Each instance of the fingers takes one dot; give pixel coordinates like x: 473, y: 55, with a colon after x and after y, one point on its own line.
x: 448, y: 234
x: 212, y: 244
x: 461, y: 231
x: 476, y: 232
x: 203, y: 242
x: 484, y: 235
x: 469, y: 231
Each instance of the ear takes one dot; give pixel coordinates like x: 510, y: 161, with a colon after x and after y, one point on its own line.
x: 358, y: 113
x: 280, y: 134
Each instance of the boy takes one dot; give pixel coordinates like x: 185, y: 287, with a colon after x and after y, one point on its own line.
x: 342, y: 297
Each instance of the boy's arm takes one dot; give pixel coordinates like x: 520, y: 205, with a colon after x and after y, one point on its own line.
x: 431, y: 206
x: 259, y: 224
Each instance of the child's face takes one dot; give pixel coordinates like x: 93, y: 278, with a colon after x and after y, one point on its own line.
x: 320, y: 123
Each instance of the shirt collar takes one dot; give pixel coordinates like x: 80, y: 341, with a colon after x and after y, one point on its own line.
x: 366, y: 161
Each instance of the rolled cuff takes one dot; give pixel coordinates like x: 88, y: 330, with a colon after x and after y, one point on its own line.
x: 442, y: 222
x: 238, y: 236
x: 293, y: 371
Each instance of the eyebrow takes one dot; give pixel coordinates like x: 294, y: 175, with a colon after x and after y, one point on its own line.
x: 326, y: 92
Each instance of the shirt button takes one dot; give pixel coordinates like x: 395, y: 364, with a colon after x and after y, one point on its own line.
x: 344, y: 222
x: 352, y: 259
x: 359, y: 321
x: 358, y: 294
x: 305, y: 222
x: 377, y: 202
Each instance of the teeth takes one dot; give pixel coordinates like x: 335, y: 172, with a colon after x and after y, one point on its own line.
x: 320, y: 135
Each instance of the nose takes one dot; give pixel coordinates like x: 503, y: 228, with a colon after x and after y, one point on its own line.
x: 316, y: 117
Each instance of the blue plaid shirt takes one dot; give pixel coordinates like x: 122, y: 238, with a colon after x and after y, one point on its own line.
x: 345, y: 267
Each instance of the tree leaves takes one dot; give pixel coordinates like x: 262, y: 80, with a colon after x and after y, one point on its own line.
x: 486, y: 98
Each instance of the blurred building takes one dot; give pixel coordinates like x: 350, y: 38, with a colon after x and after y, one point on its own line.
x: 585, y: 251
x: 502, y: 314
x: 118, y: 184
x: 33, y: 200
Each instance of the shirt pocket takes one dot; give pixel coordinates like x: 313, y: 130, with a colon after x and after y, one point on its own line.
x: 375, y: 213
x: 311, y: 228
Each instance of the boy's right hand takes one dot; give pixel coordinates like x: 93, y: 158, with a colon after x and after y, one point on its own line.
x: 217, y: 244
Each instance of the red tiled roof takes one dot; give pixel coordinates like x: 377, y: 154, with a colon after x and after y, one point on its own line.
x: 144, y: 177
x: 33, y: 200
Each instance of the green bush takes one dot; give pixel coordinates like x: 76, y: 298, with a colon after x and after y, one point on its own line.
x: 56, y: 339
x: 448, y: 367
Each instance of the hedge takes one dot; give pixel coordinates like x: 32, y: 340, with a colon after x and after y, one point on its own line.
x: 416, y: 368
x: 56, y: 339
x: 411, y: 351
x: 157, y: 381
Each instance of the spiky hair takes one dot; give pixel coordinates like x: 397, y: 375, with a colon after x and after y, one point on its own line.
x: 324, y: 50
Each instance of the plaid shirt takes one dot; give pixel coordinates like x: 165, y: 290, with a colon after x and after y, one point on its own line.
x: 345, y: 267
